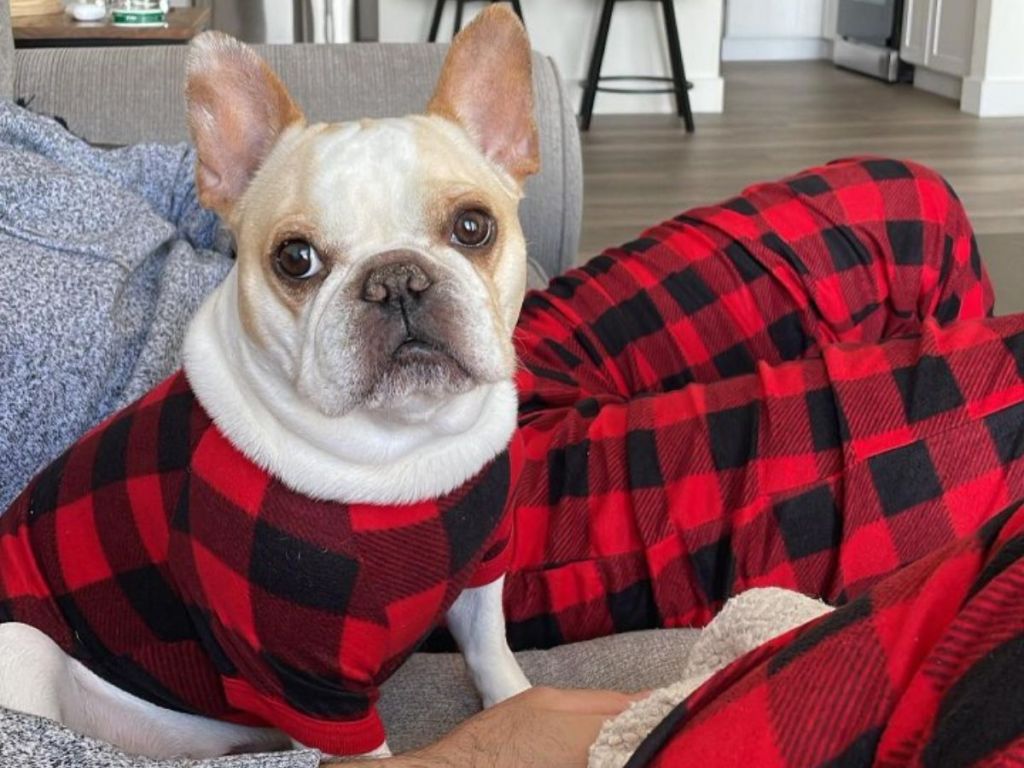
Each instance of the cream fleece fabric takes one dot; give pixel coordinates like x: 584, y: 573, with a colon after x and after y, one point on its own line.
x: 747, y: 621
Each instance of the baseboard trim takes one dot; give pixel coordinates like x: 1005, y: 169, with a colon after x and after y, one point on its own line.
x: 706, y: 96
x: 938, y: 83
x: 775, y: 48
x: 993, y: 98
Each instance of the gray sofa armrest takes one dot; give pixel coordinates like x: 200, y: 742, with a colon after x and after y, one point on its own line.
x: 6, y: 52
x: 128, y: 95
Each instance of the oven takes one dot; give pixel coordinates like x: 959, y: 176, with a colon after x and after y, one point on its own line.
x: 868, y: 38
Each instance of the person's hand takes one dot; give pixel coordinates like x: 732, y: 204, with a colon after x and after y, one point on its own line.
x: 540, y: 728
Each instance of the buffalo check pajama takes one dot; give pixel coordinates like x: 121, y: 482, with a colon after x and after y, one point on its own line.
x: 801, y: 387
x: 176, y: 568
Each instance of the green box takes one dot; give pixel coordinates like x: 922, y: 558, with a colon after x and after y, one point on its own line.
x: 138, y: 18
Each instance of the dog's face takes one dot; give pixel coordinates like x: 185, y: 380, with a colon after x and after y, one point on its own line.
x: 381, y: 264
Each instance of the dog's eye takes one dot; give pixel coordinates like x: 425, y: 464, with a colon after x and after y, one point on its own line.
x: 298, y: 260
x: 472, y: 229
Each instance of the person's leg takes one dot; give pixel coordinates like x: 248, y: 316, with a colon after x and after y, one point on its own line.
x: 820, y: 475
x: 645, y: 504
x: 923, y: 669
x: 857, y: 250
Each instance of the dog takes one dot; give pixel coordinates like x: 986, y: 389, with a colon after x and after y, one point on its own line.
x: 236, y: 561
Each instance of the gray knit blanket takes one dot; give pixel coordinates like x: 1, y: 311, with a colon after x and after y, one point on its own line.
x: 104, y: 256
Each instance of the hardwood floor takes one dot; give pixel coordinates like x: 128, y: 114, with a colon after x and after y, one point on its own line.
x: 781, y: 117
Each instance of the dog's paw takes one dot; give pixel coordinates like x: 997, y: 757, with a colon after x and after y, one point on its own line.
x: 380, y: 753
x: 512, y: 685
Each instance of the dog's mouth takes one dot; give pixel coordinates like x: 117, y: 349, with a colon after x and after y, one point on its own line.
x: 429, y: 357
x: 420, y: 366
x: 416, y: 348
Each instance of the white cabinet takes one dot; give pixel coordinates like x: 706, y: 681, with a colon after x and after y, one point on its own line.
x: 917, y: 21
x: 953, y: 37
x: 830, y: 16
x: 939, y: 35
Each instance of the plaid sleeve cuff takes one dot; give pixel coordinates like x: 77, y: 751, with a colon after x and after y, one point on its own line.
x: 355, y: 736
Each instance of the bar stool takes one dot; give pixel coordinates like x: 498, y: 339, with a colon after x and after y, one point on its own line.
x: 435, y: 23
x: 680, y: 86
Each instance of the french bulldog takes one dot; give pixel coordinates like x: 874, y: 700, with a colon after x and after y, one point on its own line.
x: 237, y: 561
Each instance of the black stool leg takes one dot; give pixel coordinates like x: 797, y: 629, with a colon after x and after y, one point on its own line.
x: 459, y: 6
x: 519, y: 11
x: 675, y: 53
x: 596, y: 59
x: 435, y: 23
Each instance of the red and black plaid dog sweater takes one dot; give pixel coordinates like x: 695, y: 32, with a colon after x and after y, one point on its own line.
x: 178, y: 570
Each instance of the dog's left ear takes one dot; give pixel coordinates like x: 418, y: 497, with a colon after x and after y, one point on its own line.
x: 237, y: 109
x: 486, y: 87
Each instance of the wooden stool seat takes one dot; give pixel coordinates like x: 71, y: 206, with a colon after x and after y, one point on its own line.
x: 680, y: 86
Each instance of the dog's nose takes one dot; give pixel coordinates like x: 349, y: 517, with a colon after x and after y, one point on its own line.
x: 395, y: 283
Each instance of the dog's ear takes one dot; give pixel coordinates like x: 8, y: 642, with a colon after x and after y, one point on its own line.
x: 237, y: 107
x: 486, y: 87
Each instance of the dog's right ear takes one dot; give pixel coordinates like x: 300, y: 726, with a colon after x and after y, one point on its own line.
x: 486, y: 86
x: 237, y: 108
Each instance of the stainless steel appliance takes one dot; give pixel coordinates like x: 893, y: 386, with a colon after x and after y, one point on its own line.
x: 868, y: 39
x: 264, y: 21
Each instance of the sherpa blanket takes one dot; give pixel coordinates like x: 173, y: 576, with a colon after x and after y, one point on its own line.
x: 104, y: 256
x: 744, y: 623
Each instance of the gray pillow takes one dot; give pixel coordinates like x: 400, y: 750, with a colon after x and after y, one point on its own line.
x: 6, y: 52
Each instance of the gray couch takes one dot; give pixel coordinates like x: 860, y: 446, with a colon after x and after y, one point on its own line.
x: 119, y: 96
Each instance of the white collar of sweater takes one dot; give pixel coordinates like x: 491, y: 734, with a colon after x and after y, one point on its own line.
x: 356, y: 458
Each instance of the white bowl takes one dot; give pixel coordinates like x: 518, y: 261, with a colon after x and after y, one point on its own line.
x: 87, y: 11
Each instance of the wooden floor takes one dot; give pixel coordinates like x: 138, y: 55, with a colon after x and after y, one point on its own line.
x: 781, y: 117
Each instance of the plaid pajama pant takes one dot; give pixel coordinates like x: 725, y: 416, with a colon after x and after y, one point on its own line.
x: 767, y: 392
x: 924, y: 669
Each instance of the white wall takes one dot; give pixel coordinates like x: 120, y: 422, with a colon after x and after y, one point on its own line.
x: 765, y: 30
x: 995, y: 86
x: 565, y: 30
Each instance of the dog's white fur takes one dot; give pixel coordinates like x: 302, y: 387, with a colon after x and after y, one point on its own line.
x: 38, y: 678
x: 363, y: 456
x: 278, y: 380
x: 477, y: 621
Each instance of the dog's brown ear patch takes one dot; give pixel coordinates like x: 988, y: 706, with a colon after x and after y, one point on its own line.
x: 237, y: 107
x: 486, y: 87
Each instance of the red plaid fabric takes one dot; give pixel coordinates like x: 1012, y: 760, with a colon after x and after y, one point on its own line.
x: 704, y: 410
x: 178, y: 570
x: 924, y: 669
x: 772, y: 392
